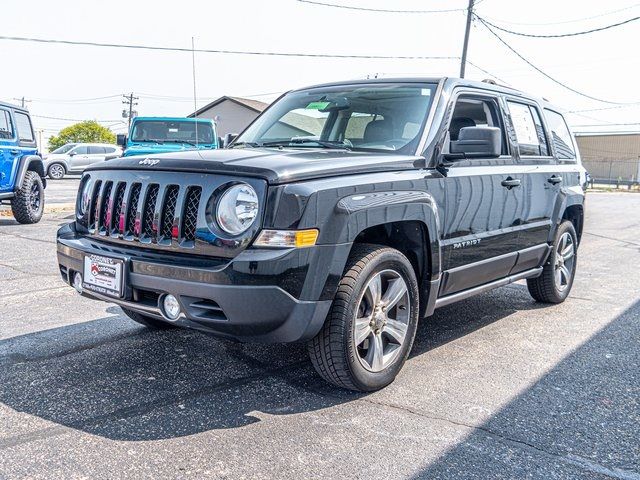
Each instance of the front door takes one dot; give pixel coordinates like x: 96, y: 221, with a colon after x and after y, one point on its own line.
x: 482, y: 209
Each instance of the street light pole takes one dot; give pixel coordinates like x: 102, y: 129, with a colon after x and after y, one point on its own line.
x: 463, y: 61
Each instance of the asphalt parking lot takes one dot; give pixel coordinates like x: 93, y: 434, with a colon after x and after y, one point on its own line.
x: 497, y: 386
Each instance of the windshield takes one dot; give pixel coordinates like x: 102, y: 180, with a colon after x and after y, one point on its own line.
x: 161, y: 131
x: 384, y: 117
x: 64, y: 148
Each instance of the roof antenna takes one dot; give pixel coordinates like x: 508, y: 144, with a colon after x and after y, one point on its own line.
x: 195, y: 101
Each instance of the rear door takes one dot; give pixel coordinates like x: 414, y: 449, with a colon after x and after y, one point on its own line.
x: 8, y: 150
x: 541, y: 182
x: 96, y: 154
x: 482, y: 209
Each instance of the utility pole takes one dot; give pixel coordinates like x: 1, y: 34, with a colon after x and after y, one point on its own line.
x: 22, y: 101
x: 131, y: 101
x: 463, y: 61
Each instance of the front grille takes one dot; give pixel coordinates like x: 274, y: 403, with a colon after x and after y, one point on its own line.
x: 154, y: 213
x: 161, y: 210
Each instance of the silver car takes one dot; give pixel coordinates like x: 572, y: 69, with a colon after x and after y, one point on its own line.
x: 75, y: 157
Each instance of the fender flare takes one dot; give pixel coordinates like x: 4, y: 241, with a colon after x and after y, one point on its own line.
x: 568, y: 197
x: 362, y: 211
x: 27, y: 163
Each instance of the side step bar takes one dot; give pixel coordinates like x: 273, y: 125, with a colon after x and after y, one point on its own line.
x: 454, y: 297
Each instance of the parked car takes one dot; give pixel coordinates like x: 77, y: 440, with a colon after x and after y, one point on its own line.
x: 341, y: 216
x: 22, y: 181
x: 151, y: 135
x: 75, y: 157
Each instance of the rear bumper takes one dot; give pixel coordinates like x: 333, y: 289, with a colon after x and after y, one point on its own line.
x: 218, y: 298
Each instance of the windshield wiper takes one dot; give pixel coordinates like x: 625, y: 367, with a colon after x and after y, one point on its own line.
x: 182, y: 141
x: 246, y: 144
x: 298, y: 142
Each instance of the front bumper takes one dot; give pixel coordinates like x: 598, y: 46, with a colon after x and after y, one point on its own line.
x: 265, y: 296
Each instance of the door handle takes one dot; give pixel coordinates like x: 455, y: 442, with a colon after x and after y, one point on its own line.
x: 15, y: 151
x: 510, y: 182
x: 554, y: 180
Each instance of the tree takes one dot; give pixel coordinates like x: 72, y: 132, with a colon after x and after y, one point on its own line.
x: 83, y: 132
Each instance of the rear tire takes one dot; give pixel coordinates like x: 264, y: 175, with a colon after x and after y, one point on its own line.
x: 147, y: 321
x: 56, y: 171
x: 372, y: 323
x: 556, y: 280
x: 28, y: 204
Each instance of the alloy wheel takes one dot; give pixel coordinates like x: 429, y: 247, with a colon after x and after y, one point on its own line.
x: 564, y: 261
x: 382, y: 320
x: 56, y: 172
x: 34, y: 197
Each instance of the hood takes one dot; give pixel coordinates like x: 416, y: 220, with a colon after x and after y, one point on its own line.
x: 273, y: 164
x: 153, y: 149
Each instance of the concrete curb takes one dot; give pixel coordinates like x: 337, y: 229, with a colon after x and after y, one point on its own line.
x: 5, y: 211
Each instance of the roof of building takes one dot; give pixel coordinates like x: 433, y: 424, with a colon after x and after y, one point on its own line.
x: 605, y: 134
x: 255, y: 105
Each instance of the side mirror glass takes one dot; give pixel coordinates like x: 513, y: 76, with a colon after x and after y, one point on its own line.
x: 71, y: 153
x: 121, y: 139
x: 477, y: 142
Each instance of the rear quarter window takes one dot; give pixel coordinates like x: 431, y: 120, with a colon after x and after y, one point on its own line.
x: 23, y: 125
x: 561, y: 137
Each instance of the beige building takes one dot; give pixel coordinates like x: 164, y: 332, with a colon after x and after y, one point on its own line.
x: 231, y: 114
x: 612, y: 156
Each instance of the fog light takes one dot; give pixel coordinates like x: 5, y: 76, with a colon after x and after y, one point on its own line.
x: 171, y: 307
x: 77, y: 282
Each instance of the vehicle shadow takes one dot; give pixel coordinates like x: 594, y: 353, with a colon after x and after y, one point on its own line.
x: 580, y: 420
x: 111, y: 378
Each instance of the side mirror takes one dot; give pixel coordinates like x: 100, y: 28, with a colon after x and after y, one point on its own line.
x: 228, y: 138
x: 121, y: 139
x: 71, y: 153
x: 477, y: 142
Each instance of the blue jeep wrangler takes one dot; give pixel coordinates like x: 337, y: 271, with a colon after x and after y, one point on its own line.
x: 22, y: 173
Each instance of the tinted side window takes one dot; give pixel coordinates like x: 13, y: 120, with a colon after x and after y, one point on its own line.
x: 472, y: 111
x: 96, y: 150
x: 562, y: 140
x: 23, y: 125
x: 529, y: 130
x: 6, y: 128
x: 80, y: 150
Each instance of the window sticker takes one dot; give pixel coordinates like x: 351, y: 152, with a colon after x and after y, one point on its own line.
x: 317, y: 105
x: 523, y: 124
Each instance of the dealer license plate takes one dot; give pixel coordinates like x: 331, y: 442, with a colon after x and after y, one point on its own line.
x: 103, y: 275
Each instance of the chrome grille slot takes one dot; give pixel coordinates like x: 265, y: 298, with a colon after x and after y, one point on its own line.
x: 116, y: 226
x: 93, y: 207
x: 132, y: 208
x: 190, y: 216
x: 148, y: 211
x: 105, y: 213
x: 169, y: 211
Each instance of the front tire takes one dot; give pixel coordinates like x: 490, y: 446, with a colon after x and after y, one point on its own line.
x: 372, y: 323
x: 56, y: 171
x: 28, y: 204
x: 556, y: 280
x: 149, y: 322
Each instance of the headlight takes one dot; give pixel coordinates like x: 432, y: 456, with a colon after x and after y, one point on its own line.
x: 84, y: 199
x: 237, y: 209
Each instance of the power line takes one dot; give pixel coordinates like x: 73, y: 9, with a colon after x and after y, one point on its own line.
x: 229, y: 52
x: 73, y: 119
x: 379, y: 10
x: 539, y: 70
x: 564, y: 22
x: 631, y: 105
x: 609, y: 124
x: 78, y: 100
x: 563, y: 35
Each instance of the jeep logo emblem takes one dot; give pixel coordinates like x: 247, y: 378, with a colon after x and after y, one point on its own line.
x: 150, y: 162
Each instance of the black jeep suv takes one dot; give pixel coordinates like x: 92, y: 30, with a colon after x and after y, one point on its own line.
x: 341, y: 216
